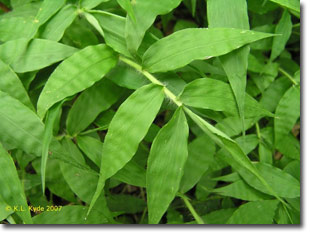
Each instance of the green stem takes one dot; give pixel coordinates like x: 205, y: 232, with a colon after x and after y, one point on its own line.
x: 152, y: 78
x: 287, y: 75
x: 191, y: 209
x: 94, y: 130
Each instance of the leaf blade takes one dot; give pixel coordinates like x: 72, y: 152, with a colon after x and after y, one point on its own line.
x: 169, y: 148
x: 93, y: 63
x: 169, y: 52
x: 146, y: 101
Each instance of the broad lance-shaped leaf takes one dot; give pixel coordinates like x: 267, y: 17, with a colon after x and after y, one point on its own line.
x: 290, y: 4
x: 11, y: 84
x: 89, y: 4
x: 232, y: 14
x: 75, y: 74
x: 92, y: 101
x: 165, y: 165
x: 217, y: 95
x: 200, y: 156
x: 185, y: 46
x: 12, y: 28
x: 82, y: 182
x: 127, y: 6
x: 50, y: 120
x: 22, y: 128
x: 94, y: 22
x: 256, y: 212
x: 238, y: 156
x: 273, y: 94
x: 218, y: 216
x: 131, y: 173
x: 54, y: 178
x: 19, y: 126
x: 287, y: 113
x: 47, y: 10
x: 241, y: 190
x: 284, y: 27
x: 11, y: 188
x: 114, y: 30
x: 282, y: 183
x: 128, y: 127
x: 55, y: 28
x: 4, y: 213
x: 11, y: 50
x: 36, y: 55
x: 145, y: 12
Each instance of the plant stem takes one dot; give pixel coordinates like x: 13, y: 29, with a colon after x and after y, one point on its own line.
x: 191, y: 209
x: 94, y: 130
x: 287, y: 75
x: 151, y: 78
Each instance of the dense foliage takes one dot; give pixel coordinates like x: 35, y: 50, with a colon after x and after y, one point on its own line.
x: 149, y: 111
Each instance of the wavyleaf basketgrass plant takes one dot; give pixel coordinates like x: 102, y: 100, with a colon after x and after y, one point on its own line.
x: 149, y: 112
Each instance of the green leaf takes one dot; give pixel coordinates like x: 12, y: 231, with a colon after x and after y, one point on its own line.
x: 256, y: 212
x: 11, y: 188
x: 47, y: 10
x: 284, y: 28
x: 233, y: 14
x: 238, y: 156
x: 185, y: 46
x: 265, y: 153
x: 92, y: 101
x: 227, y: 14
x: 55, y: 180
x: 13, y: 28
x: 131, y: 173
x: 293, y: 168
x: 4, y: 213
x: 200, y: 155
x: 50, y: 120
x: 273, y: 94
x: 126, y: 77
x: 216, y: 95
x: 56, y: 27
x: 82, y: 182
x: 75, y: 74
x: 290, y: 4
x: 20, y: 126
x: 89, y: 4
x: 240, y: 190
x: 11, y: 84
x: 127, y: 130
x: 165, y: 165
x: 282, y: 183
x: 114, y: 30
x: 145, y: 12
x: 287, y: 113
x: 127, y: 6
x: 70, y: 215
x: 94, y: 22
x: 39, y: 54
x: 219, y: 216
